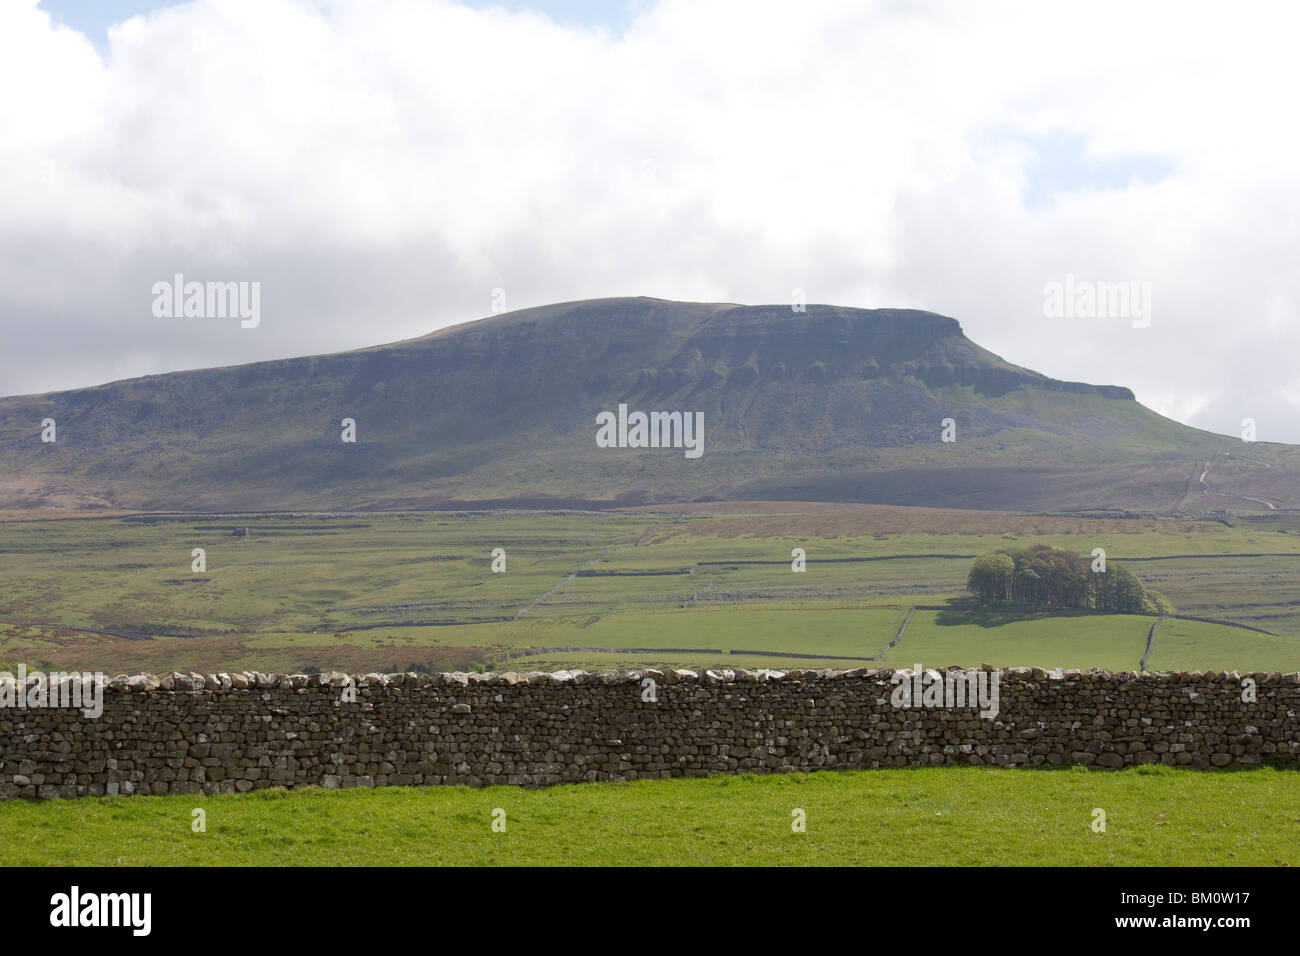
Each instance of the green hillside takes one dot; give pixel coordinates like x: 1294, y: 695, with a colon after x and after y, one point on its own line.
x: 833, y: 404
x: 690, y: 588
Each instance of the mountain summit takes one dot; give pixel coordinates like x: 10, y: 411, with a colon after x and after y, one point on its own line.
x: 884, y: 405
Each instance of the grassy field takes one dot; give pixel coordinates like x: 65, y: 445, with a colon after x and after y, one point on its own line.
x: 1189, y: 645
x: 1111, y: 641
x: 957, y: 816
x: 652, y: 588
x: 406, y: 591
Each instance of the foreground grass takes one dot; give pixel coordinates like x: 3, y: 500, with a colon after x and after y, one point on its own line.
x: 936, y: 816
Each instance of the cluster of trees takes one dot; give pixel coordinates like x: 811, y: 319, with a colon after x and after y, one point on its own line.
x: 1049, y: 577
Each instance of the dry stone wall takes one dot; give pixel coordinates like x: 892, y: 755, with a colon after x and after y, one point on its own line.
x: 237, y: 732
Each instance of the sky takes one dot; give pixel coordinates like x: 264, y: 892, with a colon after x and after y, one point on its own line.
x: 385, y: 168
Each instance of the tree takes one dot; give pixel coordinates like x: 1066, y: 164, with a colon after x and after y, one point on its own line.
x: 1157, y: 603
x: 1051, y: 577
x: 1129, y: 596
x: 991, y: 577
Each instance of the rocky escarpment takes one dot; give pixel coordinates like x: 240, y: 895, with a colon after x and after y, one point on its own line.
x: 504, y: 409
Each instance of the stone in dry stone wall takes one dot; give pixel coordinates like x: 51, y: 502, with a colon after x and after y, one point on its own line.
x: 222, y: 733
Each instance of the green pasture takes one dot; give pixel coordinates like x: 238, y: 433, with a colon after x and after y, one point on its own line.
x: 951, y: 816
x: 401, y: 590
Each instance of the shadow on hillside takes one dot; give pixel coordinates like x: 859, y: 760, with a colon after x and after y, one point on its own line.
x: 961, y: 612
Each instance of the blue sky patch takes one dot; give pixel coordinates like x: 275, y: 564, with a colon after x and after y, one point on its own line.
x: 93, y: 17
x: 1061, y: 165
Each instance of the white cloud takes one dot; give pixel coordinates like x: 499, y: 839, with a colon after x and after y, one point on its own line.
x: 380, y: 167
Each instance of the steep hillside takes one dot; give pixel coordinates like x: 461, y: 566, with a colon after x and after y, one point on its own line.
x: 831, y: 404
